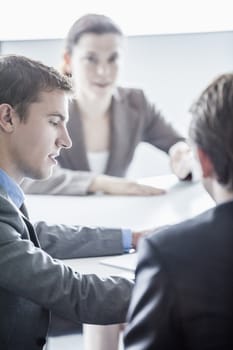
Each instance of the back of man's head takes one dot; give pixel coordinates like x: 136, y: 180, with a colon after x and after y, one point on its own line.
x: 23, y: 79
x: 211, y: 127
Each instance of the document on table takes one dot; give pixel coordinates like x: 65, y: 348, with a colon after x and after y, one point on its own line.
x: 125, y: 261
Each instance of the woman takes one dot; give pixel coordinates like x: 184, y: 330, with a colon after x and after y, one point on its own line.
x: 106, y: 122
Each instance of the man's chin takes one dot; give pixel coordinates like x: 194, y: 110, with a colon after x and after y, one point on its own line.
x: 48, y: 173
x: 42, y: 175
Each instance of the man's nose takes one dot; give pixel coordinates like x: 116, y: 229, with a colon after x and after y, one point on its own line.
x: 65, y: 140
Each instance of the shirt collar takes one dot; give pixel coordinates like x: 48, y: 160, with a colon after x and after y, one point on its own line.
x: 12, y: 189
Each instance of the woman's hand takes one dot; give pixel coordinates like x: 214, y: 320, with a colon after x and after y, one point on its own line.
x: 118, y: 186
x: 181, y: 159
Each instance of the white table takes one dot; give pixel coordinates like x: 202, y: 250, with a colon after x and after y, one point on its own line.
x: 182, y: 200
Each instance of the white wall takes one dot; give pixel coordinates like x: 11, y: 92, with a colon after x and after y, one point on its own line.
x: 172, y: 69
x: 22, y: 20
x: 48, y: 51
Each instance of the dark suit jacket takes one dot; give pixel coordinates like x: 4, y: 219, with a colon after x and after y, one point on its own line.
x: 133, y: 120
x: 183, y: 297
x: 32, y: 284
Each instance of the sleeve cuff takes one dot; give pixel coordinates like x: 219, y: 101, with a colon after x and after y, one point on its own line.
x: 127, y: 239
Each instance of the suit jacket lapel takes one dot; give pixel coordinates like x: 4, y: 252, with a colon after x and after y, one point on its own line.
x: 121, y: 125
x: 24, y: 211
x: 31, y: 231
x: 30, y: 228
x: 75, y: 128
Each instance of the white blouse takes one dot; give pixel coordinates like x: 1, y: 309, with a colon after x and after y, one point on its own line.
x: 98, y: 161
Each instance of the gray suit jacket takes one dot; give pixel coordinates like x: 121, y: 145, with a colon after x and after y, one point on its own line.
x: 32, y: 284
x: 133, y: 120
x: 183, y: 298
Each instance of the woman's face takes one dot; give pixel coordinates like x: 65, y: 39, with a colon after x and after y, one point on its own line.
x: 95, y: 64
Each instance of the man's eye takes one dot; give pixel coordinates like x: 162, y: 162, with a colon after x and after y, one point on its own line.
x: 53, y: 122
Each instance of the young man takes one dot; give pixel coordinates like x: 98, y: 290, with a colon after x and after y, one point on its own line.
x: 33, y: 117
x: 183, y: 297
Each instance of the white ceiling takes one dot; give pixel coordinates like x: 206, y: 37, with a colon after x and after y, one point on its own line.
x: 45, y: 19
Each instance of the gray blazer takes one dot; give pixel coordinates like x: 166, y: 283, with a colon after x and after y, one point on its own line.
x: 33, y: 284
x: 133, y: 120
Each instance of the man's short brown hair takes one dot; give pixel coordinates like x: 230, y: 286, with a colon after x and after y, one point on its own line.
x: 23, y: 79
x: 211, y: 127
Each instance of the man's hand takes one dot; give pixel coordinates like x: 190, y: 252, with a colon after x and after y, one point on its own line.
x: 118, y: 186
x: 136, y: 236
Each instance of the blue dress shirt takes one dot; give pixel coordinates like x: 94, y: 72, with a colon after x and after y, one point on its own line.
x: 12, y: 189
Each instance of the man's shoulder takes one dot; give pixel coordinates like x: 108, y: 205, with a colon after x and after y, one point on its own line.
x: 185, y: 231
x: 9, y: 214
x: 190, y: 236
x: 5, y: 203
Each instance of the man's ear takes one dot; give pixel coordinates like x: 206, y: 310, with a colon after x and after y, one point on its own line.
x: 6, y: 117
x: 205, y: 162
x: 67, y: 63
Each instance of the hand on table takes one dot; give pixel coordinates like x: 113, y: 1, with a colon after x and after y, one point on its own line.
x: 118, y: 186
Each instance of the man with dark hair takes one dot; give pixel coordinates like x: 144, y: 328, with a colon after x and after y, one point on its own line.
x: 183, y: 297
x: 33, y: 117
